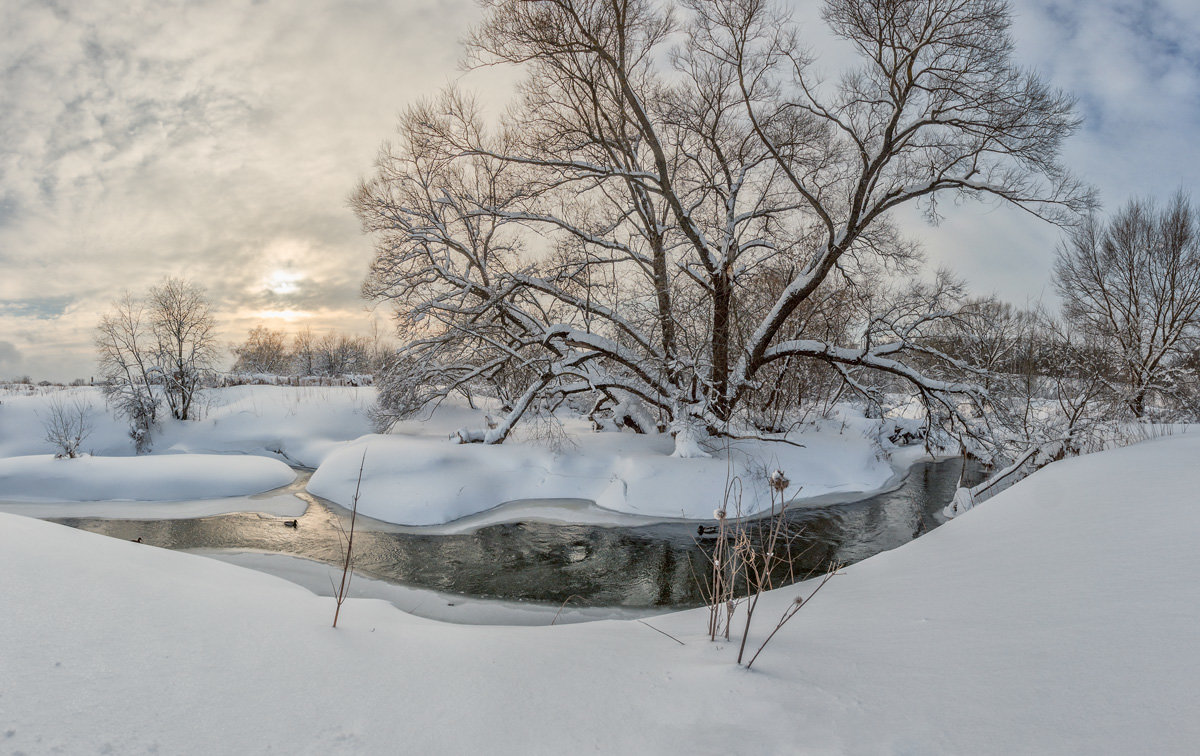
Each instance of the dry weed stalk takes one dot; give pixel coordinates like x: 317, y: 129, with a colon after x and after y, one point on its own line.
x: 746, y: 559
x: 564, y: 606
x: 788, y: 613
x: 347, y: 573
x: 718, y: 590
x: 760, y: 558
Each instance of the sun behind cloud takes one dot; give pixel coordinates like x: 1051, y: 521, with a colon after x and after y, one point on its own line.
x: 284, y: 282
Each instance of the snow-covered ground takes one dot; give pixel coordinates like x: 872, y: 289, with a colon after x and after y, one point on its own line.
x: 241, y: 445
x: 171, y: 477
x: 1058, y: 617
x: 300, y: 425
x: 281, y: 502
x: 415, y: 475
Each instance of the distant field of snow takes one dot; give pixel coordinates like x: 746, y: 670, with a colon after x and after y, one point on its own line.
x: 1058, y: 617
x: 238, y: 447
x: 301, y: 425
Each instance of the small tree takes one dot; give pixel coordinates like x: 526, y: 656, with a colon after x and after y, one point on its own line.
x: 263, y: 351
x: 130, y: 376
x: 1133, y: 284
x: 304, y: 353
x: 67, y: 424
x: 155, y: 349
x: 186, y: 347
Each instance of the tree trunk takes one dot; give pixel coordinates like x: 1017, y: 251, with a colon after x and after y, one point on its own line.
x: 662, y: 290
x: 722, y: 302
x: 1138, y: 403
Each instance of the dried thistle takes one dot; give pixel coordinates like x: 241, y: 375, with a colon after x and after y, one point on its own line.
x: 778, y: 481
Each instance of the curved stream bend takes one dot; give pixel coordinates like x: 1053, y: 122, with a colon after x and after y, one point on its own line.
x: 631, y: 566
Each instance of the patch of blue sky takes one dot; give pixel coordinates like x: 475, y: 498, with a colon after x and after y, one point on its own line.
x: 38, y: 308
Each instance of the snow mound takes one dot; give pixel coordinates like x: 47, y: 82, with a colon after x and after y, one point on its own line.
x: 301, y: 424
x: 170, y: 477
x: 411, y: 480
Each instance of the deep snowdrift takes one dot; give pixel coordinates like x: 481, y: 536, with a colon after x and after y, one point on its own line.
x: 416, y: 476
x: 1058, y: 617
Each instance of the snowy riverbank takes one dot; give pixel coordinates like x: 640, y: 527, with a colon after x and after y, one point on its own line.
x: 1058, y: 617
x: 411, y: 480
x: 415, y: 475
x: 159, y: 478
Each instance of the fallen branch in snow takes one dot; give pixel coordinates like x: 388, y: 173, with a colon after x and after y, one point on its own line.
x: 1034, y: 458
x: 655, y: 629
x: 756, y: 437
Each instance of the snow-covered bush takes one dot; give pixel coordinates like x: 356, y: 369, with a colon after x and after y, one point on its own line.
x: 67, y: 423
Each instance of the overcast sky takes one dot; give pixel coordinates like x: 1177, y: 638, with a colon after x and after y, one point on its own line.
x: 218, y: 140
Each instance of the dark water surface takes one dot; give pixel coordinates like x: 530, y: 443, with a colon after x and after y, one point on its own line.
x: 647, y: 566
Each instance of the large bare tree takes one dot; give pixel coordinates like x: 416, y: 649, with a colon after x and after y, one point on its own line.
x: 1133, y: 284
x: 675, y: 191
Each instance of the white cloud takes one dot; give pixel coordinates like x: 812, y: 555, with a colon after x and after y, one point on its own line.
x: 162, y: 138
x: 1135, y: 69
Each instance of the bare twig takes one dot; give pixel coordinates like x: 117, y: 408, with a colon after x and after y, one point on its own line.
x: 564, y: 606
x: 655, y: 629
x: 790, y: 612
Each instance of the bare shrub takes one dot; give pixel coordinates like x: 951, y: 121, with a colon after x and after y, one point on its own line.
x: 67, y: 424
